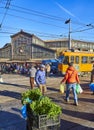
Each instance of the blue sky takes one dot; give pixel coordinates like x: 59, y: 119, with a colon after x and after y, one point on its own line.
x: 46, y: 19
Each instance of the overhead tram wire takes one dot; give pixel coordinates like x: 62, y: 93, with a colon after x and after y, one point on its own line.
x: 6, y: 7
x: 58, y: 18
x: 40, y: 35
x: 37, y: 13
x: 84, y: 30
x: 46, y: 15
x: 7, y: 32
x: 35, y: 20
x: 43, y: 33
x: 51, y: 16
x: 88, y: 25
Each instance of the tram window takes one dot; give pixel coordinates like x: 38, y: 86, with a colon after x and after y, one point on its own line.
x: 66, y: 60
x: 91, y: 59
x: 84, y: 59
x: 77, y: 59
x: 72, y: 59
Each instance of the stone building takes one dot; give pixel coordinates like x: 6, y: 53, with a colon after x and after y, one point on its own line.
x: 25, y: 46
x: 5, y: 52
x: 62, y: 44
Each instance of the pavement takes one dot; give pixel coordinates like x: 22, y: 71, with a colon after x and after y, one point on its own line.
x: 79, y: 117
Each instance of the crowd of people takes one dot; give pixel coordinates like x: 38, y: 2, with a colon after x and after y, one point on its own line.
x: 15, y: 68
x: 39, y: 73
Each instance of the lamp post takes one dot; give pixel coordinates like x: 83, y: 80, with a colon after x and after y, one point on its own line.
x: 69, y: 36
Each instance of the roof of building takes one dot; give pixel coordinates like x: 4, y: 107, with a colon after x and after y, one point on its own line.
x: 66, y: 39
x: 55, y: 40
x: 6, y: 45
x: 26, y: 34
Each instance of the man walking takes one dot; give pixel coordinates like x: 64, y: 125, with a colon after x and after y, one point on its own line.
x: 71, y: 79
x: 32, y: 73
x: 41, y: 79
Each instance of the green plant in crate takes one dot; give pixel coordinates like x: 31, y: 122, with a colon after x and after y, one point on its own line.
x: 45, y: 106
x: 33, y: 95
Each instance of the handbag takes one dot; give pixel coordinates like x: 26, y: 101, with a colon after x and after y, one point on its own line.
x: 61, y: 87
x: 78, y: 89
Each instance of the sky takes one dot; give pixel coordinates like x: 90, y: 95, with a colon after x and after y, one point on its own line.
x: 46, y: 19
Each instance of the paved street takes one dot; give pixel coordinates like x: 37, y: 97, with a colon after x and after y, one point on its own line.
x: 73, y: 117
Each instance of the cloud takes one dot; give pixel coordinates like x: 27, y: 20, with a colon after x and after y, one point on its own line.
x: 67, y: 11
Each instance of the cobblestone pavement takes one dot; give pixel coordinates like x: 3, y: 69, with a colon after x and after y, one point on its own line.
x: 79, y: 117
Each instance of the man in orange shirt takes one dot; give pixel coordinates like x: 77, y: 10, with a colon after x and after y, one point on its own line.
x: 71, y: 79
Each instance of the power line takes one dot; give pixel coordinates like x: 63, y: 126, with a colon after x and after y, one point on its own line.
x: 6, y: 7
x: 42, y: 34
x: 83, y: 30
x: 37, y: 13
x: 34, y: 20
x: 40, y: 14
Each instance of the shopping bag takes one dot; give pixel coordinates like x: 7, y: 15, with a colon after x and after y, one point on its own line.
x: 91, y: 86
x: 61, y: 87
x: 23, y: 112
x: 1, y: 80
x: 78, y: 89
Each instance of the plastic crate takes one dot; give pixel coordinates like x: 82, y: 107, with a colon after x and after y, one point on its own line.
x: 40, y: 121
x: 55, y: 127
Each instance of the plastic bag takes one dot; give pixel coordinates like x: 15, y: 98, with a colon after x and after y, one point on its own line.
x: 61, y: 87
x: 91, y: 87
x: 1, y: 80
x: 23, y: 111
x: 78, y: 89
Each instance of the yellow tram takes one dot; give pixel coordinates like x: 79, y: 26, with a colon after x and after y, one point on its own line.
x: 83, y: 61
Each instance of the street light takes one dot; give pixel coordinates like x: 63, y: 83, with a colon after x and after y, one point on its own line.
x: 69, y: 42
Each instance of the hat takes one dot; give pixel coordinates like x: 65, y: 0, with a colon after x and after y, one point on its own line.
x: 42, y: 66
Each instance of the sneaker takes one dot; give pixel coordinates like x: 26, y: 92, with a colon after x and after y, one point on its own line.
x: 76, y: 104
x: 67, y: 100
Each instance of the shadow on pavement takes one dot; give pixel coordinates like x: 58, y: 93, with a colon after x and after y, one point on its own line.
x: 87, y: 99
x: 67, y: 125
x: 17, y: 85
x: 53, y: 89
x: 85, y: 86
x: 11, y: 121
x: 82, y: 115
x: 12, y: 94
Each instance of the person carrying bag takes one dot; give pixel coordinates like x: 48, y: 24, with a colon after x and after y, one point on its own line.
x: 71, y: 79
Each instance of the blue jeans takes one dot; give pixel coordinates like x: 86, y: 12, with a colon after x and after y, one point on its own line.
x: 73, y: 87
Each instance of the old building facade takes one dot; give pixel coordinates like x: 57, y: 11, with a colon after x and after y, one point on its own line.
x: 5, y: 52
x: 25, y: 46
x: 62, y: 44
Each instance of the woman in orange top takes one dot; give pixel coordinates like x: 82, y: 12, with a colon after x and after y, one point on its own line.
x: 71, y: 79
